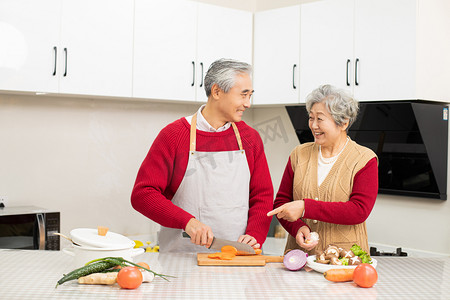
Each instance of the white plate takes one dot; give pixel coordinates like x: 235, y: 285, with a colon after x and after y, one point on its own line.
x: 310, y: 262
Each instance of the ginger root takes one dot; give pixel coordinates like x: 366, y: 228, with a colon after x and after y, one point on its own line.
x: 99, y: 278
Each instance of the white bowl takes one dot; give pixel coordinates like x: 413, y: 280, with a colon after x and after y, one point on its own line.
x: 310, y: 262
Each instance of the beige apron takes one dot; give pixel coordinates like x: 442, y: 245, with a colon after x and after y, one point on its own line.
x: 214, y: 189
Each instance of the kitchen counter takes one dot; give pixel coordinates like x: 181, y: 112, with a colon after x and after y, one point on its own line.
x: 27, y: 274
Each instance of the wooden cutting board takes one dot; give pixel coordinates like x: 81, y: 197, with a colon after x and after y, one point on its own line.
x: 244, y: 260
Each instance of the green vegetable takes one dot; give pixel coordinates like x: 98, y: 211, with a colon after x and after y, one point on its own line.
x: 86, y: 270
x: 365, y: 258
x: 103, y: 265
x: 344, y: 261
x: 357, y: 249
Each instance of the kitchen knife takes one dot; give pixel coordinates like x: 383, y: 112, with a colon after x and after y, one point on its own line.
x: 217, y: 244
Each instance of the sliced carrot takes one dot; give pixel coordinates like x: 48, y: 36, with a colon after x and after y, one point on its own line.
x: 339, y: 275
x: 229, y: 249
x: 258, y: 251
x: 214, y: 255
x: 227, y: 255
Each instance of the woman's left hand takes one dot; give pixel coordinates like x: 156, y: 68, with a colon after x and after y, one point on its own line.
x: 291, y: 211
x: 302, y: 236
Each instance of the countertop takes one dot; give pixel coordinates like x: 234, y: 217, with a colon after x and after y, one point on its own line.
x: 28, y: 274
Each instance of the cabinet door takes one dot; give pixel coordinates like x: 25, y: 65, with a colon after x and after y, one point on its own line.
x: 29, y: 32
x: 276, y: 56
x: 326, y: 48
x: 97, y: 40
x: 385, y: 45
x: 165, y: 49
x: 222, y: 33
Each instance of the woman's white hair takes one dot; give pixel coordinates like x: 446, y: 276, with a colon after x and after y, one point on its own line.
x: 339, y: 104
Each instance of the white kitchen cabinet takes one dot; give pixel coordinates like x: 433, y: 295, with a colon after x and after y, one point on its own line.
x: 385, y: 50
x: 165, y: 49
x: 326, y: 48
x: 277, y: 56
x: 29, y: 34
x: 377, y: 50
x: 97, y: 41
x: 177, y: 40
x: 68, y: 47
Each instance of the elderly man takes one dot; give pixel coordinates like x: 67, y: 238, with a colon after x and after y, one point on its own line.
x: 207, y: 174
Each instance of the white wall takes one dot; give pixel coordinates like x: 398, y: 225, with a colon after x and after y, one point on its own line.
x: 79, y: 156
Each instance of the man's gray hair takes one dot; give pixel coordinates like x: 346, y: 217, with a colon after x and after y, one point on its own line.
x: 341, y: 105
x: 223, y: 73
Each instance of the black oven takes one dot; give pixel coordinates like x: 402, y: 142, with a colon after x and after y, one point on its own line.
x: 29, y: 227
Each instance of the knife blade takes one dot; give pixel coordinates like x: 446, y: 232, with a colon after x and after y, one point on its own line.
x: 217, y: 244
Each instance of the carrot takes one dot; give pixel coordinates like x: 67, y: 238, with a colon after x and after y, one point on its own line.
x: 227, y: 255
x: 339, y: 275
x: 258, y: 251
x: 214, y: 255
x: 229, y: 249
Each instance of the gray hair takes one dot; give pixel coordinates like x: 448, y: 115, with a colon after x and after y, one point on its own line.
x: 339, y: 104
x: 223, y: 73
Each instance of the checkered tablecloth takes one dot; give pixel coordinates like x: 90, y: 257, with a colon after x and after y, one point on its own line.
x: 33, y: 275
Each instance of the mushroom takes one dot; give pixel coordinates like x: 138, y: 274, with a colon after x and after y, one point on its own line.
x: 353, y: 261
x: 346, y: 253
x: 335, y: 261
x: 322, y: 259
x: 313, y: 238
x: 332, y: 251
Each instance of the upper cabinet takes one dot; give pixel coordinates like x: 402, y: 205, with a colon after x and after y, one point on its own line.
x: 378, y: 50
x: 97, y: 47
x: 165, y: 58
x: 277, y: 56
x: 176, y: 41
x: 29, y: 32
x: 68, y: 47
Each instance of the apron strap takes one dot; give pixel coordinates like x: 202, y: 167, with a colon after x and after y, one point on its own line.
x: 193, y: 134
x: 238, y: 136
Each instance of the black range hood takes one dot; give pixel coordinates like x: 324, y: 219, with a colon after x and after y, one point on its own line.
x: 410, y: 139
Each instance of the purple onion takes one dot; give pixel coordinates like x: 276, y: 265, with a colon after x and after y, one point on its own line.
x: 295, y: 259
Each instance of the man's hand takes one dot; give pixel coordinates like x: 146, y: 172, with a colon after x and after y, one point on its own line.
x: 200, y: 233
x: 291, y: 211
x: 303, y: 234
x: 248, y: 239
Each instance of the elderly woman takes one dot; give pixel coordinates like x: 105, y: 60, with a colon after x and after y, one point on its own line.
x: 330, y: 185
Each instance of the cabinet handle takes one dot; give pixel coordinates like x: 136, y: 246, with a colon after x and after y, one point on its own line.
x: 65, y: 59
x: 348, y: 64
x: 193, y: 73
x: 54, y: 68
x: 293, y: 76
x: 356, y: 71
x: 201, y: 74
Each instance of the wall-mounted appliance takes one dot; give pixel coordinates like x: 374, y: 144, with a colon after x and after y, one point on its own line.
x: 29, y: 227
x: 410, y: 139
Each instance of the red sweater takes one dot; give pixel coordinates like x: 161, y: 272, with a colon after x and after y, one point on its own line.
x: 354, y: 211
x: 165, y: 165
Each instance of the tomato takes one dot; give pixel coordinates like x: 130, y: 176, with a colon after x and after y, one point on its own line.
x: 365, y: 275
x: 129, y: 278
x: 143, y: 264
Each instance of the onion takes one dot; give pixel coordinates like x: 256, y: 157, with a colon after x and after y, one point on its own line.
x: 294, y: 260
